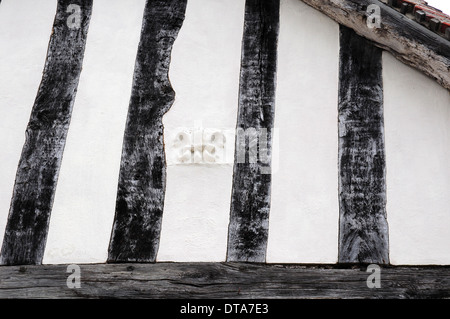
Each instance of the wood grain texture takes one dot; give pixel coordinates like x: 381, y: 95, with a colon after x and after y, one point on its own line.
x: 223, y: 281
x: 140, y: 196
x: 363, y: 229
x: 37, y: 173
x: 408, y: 41
x: 250, y: 201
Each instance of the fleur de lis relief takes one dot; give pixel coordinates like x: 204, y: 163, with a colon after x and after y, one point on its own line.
x: 214, y: 146
x: 199, y: 146
x: 183, y: 143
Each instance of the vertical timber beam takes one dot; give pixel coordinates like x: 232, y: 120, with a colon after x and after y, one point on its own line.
x: 363, y: 228
x: 250, y: 201
x: 37, y: 174
x: 142, y: 178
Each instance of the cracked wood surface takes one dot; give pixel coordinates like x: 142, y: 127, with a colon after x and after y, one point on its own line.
x: 407, y: 40
x: 250, y: 199
x: 37, y: 174
x: 223, y: 280
x: 142, y: 178
x: 363, y: 228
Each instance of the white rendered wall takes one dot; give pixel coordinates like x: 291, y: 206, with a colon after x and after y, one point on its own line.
x: 304, y: 210
x: 204, y: 73
x: 83, y: 211
x: 25, y: 28
x: 417, y: 123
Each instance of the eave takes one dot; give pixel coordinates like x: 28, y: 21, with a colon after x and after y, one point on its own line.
x: 409, y: 41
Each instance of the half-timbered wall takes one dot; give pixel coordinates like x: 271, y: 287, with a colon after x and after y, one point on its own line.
x: 204, y: 73
x: 83, y: 211
x: 304, y: 214
x: 24, y: 42
x: 358, y: 167
x: 417, y: 122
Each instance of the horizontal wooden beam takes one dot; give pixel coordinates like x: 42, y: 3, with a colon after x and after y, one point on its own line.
x: 407, y: 40
x: 222, y: 280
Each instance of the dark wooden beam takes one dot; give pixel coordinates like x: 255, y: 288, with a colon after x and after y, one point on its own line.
x: 37, y: 174
x: 140, y: 196
x: 223, y: 281
x: 407, y: 40
x: 250, y: 200
x: 363, y: 229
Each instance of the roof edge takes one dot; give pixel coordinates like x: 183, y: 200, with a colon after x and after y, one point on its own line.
x: 409, y: 41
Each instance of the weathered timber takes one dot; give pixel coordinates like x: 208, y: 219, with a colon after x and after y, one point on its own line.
x: 222, y: 280
x: 407, y: 40
x: 363, y: 228
x: 37, y: 174
x: 140, y: 196
x: 250, y: 200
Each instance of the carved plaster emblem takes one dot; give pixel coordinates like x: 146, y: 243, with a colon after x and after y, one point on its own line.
x: 199, y: 146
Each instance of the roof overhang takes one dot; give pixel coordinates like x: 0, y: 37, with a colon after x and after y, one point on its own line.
x: 409, y: 41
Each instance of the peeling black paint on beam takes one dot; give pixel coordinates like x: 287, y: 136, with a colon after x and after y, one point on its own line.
x: 37, y: 174
x: 140, y: 196
x: 250, y: 202
x: 363, y: 228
